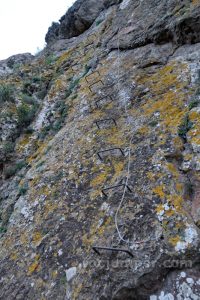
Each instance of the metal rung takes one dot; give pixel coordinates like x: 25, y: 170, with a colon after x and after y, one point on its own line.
x: 89, y: 44
x: 97, y: 102
x: 106, y: 90
x: 88, y: 76
x: 108, y: 85
x: 97, y: 248
x: 114, y: 187
x: 109, y: 150
x: 92, y: 108
x: 90, y: 86
x: 105, y: 120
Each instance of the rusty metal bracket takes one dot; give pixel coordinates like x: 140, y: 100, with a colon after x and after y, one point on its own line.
x: 99, y: 100
x: 107, y: 86
x: 109, y: 150
x: 105, y: 120
x: 114, y: 187
x: 91, y: 85
x: 97, y: 248
x: 88, y: 76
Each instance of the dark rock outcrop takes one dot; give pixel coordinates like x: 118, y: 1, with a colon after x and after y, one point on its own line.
x: 77, y: 19
x: 7, y: 65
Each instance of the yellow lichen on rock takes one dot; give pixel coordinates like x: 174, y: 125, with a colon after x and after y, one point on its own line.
x: 35, y: 266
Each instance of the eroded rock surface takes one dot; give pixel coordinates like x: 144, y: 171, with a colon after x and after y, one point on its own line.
x: 135, y: 65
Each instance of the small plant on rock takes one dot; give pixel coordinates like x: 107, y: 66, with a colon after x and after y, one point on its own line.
x: 8, y: 148
x: 26, y: 114
x: 185, y: 126
x: 6, y: 93
x: 23, y: 189
x: 193, y: 103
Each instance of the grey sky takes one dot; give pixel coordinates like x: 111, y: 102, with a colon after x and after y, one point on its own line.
x: 24, y: 23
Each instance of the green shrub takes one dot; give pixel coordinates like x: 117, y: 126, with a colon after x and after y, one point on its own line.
x: 29, y: 130
x: 23, y: 189
x: 3, y: 229
x: 28, y: 99
x: 27, y: 88
x: 153, y: 123
x: 75, y: 82
x: 36, y: 79
x: 99, y: 22
x: 62, y: 109
x: 44, y: 131
x: 42, y: 93
x: 12, y: 170
x: 87, y: 69
x: 8, y: 148
x: 185, y: 126
x: 6, y: 93
x: 20, y: 164
x: 193, y: 103
x: 57, y: 125
x: 26, y: 114
x: 50, y: 59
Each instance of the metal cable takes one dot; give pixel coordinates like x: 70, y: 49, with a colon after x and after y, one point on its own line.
x: 129, y: 150
x: 127, y: 241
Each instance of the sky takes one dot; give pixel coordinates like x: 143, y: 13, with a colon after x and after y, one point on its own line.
x: 24, y: 24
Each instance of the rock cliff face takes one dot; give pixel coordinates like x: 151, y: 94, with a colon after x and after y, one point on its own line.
x: 100, y: 147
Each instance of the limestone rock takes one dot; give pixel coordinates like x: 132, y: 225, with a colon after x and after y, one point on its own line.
x: 99, y: 149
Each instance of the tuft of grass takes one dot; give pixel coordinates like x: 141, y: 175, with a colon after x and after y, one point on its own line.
x: 75, y: 82
x: 3, y: 229
x: 87, y: 69
x: 99, y: 22
x: 23, y: 189
x: 50, y: 59
x: 153, y: 123
x: 185, y: 126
